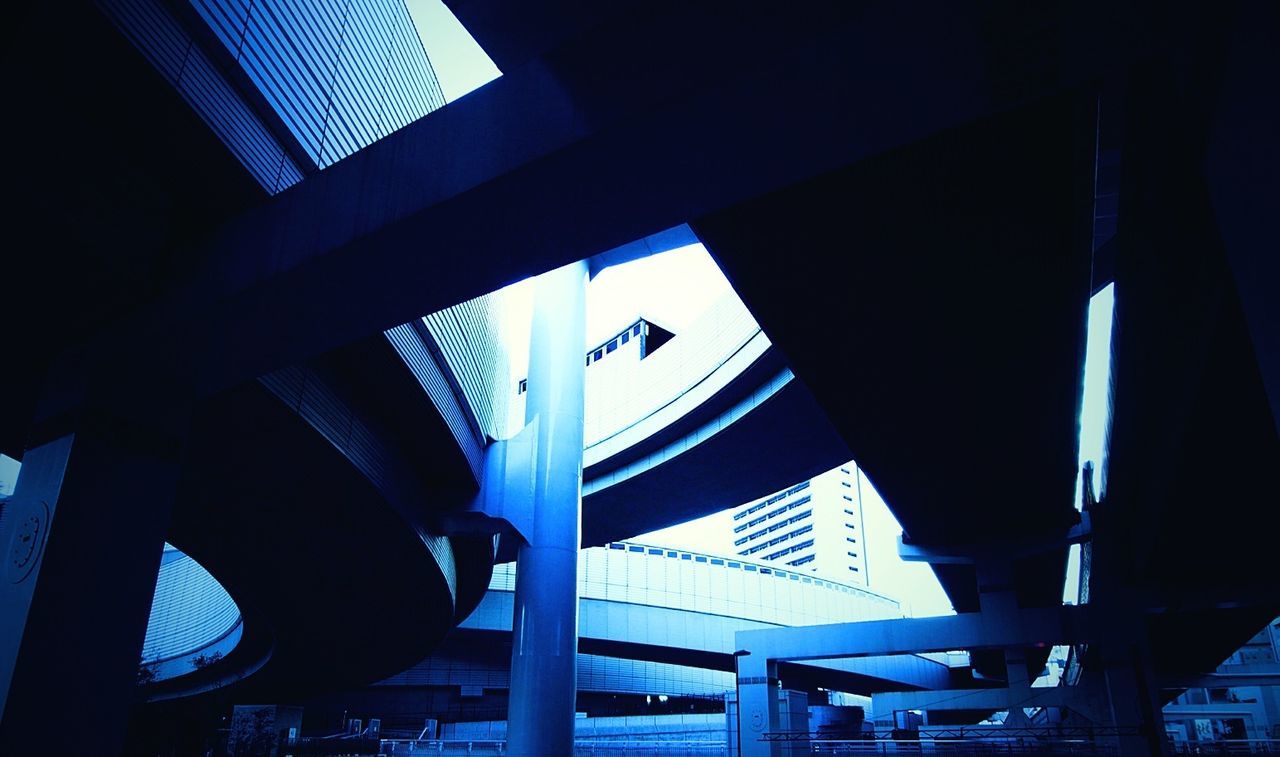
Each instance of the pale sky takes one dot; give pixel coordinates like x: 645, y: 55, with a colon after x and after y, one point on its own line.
x: 673, y: 288
x: 1095, y: 413
x: 8, y: 474
x: 676, y: 287
x: 460, y: 64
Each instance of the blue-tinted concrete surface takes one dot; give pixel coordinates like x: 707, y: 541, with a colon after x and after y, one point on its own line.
x: 545, y: 615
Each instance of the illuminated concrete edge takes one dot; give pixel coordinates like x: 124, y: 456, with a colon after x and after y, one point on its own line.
x: 545, y: 613
x: 684, y: 443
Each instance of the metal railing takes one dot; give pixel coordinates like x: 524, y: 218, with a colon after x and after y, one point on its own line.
x: 958, y: 748
x: 962, y: 740
x: 973, y: 743
x: 1228, y: 746
x: 581, y: 748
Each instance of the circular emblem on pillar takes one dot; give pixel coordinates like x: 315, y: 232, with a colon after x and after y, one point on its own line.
x: 757, y: 720
x: 31, y: 525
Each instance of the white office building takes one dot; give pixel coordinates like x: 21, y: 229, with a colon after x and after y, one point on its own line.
x: 815, y: 526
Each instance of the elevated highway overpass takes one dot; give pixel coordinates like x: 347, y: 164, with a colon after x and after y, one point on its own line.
x: 948, y: 165
x: 674, y: 614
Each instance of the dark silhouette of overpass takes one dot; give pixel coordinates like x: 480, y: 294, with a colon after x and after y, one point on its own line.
x: 929, y: 190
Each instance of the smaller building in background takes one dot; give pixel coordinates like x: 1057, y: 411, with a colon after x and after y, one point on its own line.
x: 289, y: 88
x: 815, y: 526
x: 643, y: 336
x: 1208, y: 713
x: 194, y: 622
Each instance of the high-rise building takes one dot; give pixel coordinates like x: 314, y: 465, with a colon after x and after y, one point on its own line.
x: 289, y: 88
x: 814, y: 526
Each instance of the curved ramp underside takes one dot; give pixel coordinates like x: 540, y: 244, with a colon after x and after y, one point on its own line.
x: 313, y: 554
x: 945, y: 288
x: 755, y: 446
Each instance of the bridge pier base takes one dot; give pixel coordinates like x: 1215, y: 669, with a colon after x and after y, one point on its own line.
x: 83, y: 536
x: 758, y: 706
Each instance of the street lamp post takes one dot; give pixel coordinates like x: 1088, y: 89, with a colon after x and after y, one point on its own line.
x: 737, y: 694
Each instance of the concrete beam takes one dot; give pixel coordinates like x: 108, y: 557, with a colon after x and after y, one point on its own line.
x: 505, y: 503
x: 675, y: 237
x: 1243, y: 173
x: 1189, y: 600
x: 1221, y: 681
x: 1073, y: 697
x: 602, y: 152
x: 970, y: 631
x: 513, y: 33
x: 972, y: 554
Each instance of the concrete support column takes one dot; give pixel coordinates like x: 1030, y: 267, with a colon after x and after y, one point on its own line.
x: 758, y: 711
x: 996, y: 596
x: 82, y: 538
x: 1131, y: 699
x: 540, y: 717
x: 1015, y: 665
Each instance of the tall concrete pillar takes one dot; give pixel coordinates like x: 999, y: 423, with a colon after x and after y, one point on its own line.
x: 83, y: 537
x: 1131, y: 696
x: 540, y: 716
x: 758, y: 706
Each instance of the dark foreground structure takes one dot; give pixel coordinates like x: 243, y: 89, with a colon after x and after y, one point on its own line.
x: 213, y: 294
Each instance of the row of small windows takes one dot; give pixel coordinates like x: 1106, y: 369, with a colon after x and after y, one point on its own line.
x: 338, y: 80
x: 734, y: 564
x: 772, y: 514
x: 775, y: 498
x: 790, y: 550
x: 774, y: 527
x: 776, y: 540
x: 596, y: 355
x: 613, y: 344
